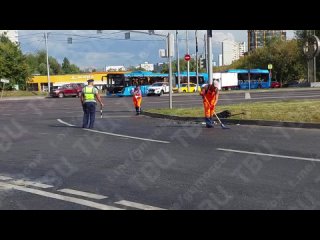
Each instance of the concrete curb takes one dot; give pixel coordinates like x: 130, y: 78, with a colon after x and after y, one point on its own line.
x: 22, y: 98
x: 238, y: 121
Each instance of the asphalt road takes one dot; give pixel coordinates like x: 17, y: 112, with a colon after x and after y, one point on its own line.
x: 136, y: 162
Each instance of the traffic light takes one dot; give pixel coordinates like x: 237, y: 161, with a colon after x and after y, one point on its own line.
x: 203, y: 63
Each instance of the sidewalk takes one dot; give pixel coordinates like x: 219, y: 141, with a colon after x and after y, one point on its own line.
x: 237, y: 121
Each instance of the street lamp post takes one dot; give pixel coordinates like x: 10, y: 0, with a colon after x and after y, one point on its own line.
x: 178, y: 59
x: 209, y: 37
x: 188, y: 62
x: 170, y: 69
x: 48, y: 73
x: 197, y: 67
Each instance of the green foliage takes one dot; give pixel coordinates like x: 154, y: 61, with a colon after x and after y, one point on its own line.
x: 38, y: 64
x: 285, y: 57
x: 13, y: 65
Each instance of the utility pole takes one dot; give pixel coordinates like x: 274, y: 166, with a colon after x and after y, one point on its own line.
x: 209, y: 33
x: 197, y: 67
x: 188, y: 64
x: 314, y: 63
x: 170, y: 36
x: 178, y: 58
x: 205, y: 51
x: 48, y: 73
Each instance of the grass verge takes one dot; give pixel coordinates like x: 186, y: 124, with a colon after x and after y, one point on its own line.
x: 307, y: 111
x: 23, y: 93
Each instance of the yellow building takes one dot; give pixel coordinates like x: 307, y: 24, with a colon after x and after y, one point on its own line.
x: 40, y: 83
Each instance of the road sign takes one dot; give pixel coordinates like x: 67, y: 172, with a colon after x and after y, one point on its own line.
x: 4, y: 80
x: 269, y: 66
x: 187, y: 57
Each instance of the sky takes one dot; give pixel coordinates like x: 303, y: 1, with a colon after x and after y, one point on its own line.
x: 90, y: 49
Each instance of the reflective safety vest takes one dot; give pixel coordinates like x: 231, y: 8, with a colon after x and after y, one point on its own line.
x: 88, y: 94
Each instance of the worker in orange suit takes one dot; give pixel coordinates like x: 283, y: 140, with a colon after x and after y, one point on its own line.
x: 137, y: 98
x: 210, y: 96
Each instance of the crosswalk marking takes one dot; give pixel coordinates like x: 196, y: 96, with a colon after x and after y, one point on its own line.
x: 30, y: 183
x: 60, y: 197
x: 138, y: 205
x: 84, y: 194
x: 26, y: 186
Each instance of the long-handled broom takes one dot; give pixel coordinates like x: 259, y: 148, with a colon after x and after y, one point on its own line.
x: 221, y: 124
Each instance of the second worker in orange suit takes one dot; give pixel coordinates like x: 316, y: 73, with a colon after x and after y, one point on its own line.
x: 137, y: 98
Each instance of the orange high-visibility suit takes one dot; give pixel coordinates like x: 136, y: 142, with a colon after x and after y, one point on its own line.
x: 210, y: 95
x: 137, y: 99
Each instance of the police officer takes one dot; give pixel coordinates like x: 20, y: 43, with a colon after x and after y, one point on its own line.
x: 88, y: 99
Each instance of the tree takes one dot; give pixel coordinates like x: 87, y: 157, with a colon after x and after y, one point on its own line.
x: 285, y: 56
x: 66, y: 67
x: 301, y: 36
x: 13, y: 64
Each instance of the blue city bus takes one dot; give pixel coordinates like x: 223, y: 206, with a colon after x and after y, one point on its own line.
x: 143, y: 79
x: 252, y: 78
x: 202, y: 78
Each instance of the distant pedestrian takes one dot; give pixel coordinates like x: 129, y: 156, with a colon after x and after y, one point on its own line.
x: 137, y: 98
x: 210, y: 96
x: 88, y: 99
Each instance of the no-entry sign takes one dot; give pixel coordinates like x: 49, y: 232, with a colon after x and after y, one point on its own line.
x: 187, y: 57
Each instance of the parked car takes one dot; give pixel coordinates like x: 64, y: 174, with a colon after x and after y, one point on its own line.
x: 66, y: 90
x: 184, y: 88
x: 158, y: 88
x: 275, y: 84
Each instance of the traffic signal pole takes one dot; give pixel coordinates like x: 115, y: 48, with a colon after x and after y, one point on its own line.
x: 209, y: 44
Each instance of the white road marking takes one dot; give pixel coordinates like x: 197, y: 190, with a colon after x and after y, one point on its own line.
x: 4, y: 178
x: 116, y: 135
x: 84, y: 194
x: 126, y: 136
x: 60, y: 197
x: 138, y: 205
x: 270, y: 155
x: 63, y: 122
x: 30, y: 183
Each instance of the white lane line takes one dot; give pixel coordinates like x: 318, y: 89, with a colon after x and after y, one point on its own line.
x: 60, y: 197
x: 126, y: 136
x: 84, y: 194
x: 269, y: 155
x: 4, y: 178
x: 63, y: 122
x: 138, y: 205
x: 30, y: 183
x: 116, y: 135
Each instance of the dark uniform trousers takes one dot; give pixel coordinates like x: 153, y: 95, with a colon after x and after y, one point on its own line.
x: 89, y: 109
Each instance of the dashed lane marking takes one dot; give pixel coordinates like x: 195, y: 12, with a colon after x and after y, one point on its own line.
x: 59, y: 197
x: 138, y: 205
x: 84, y: 194
x: 30, y: 183
x: 269, y: 155
x: 4, y: 178
x: 113, y: 134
